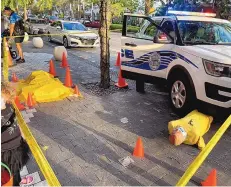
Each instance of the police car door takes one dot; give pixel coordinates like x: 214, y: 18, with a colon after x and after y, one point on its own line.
x: 145, y: 46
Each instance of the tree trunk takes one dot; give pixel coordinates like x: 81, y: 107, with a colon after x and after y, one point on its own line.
x: 71, y: 11
x: 105, y: 21
x: 147, y: 6
x: 16, y: 7
x: 25, y: 13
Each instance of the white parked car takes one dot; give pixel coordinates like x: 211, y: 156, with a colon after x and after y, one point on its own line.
x: 36, y: 26
x: 72, y: 34
x: 192, y: 54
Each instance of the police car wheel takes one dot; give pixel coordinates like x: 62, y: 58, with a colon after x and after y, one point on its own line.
x: 180, y: 94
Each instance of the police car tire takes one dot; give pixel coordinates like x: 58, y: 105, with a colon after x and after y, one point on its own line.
x: 190, y: 96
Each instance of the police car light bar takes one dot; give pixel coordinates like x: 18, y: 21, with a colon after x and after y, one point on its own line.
x: 185, y: 13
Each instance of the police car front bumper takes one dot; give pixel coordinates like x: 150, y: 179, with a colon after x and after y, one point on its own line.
x: 218, y: 92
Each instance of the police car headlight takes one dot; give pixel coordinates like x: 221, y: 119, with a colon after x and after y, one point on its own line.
x: 217, y: 69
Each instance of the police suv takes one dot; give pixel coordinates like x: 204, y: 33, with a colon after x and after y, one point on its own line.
x: 189, y: 50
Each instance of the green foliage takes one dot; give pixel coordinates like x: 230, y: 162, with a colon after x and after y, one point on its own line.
x: 223, y: 9
x: 118, y: 27
x: 120, y: 5
x: 13, y: 3
x: 117, y: 9
x: 10, y: 3
x: 44, y: 4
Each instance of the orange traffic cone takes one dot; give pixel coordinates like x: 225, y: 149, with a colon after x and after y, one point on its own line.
x: 18, y: 104
x: 14, y: 78
x: 64, y: 63
x: 77, y: 92
x: 211, y: 179
x: 68, y: 79
x: 30, y: 101
x: 10, y: 61
x: 9, y: 58
x: 139, y: 149
x: 118, y: 61
x: 121, y: 81
x: 52, y: 68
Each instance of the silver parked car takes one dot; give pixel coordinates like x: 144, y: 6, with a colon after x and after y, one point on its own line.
x: 72, y: 34
x: 36, y: 26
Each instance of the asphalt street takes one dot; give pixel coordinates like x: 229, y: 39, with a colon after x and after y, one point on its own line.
x: 93, y: 54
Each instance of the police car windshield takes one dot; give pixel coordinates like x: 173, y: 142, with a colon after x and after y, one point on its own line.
x: 205, y: 33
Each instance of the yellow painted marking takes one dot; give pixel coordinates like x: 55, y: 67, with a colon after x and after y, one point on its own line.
x: 36, y: 151
x: 203, y: 154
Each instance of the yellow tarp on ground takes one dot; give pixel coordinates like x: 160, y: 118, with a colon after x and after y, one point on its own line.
x: 43, y: 86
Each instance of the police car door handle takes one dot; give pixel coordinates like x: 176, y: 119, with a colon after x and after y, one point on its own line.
x: 131, y: 44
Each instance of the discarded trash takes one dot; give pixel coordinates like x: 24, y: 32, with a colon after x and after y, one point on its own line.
x: 104, y: 159
x: 190, y: 129
x: 126, y: 161
x: 44, y: 148
x: 147, y: 103
x: 124, y: 120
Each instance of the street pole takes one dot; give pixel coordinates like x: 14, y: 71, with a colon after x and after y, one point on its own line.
x: 83, y: 10
x: 78, y: 10
x: 92, y: 11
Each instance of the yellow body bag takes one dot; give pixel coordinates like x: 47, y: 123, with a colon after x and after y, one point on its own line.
x: 195, y: 124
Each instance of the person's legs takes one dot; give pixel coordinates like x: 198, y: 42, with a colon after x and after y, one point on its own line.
x: 18, y: 41
x: 16, y: 178
x: 20, y: 52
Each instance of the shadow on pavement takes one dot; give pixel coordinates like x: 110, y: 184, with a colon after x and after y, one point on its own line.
x: 101, y: 150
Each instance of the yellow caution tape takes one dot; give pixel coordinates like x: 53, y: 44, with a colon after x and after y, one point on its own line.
x: 5, y: 61
x: 36, y: 151
x: 79, y: 33
x: 203, y: 154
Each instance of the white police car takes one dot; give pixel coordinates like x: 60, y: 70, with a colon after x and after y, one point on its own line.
x: 191, y: 51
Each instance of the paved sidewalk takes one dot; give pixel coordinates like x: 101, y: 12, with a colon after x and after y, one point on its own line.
x: 86, y: 137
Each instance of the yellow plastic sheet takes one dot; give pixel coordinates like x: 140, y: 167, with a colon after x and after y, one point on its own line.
x: 43, y: 86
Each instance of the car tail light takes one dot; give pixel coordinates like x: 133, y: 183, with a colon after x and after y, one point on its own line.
x: 163, y: 37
